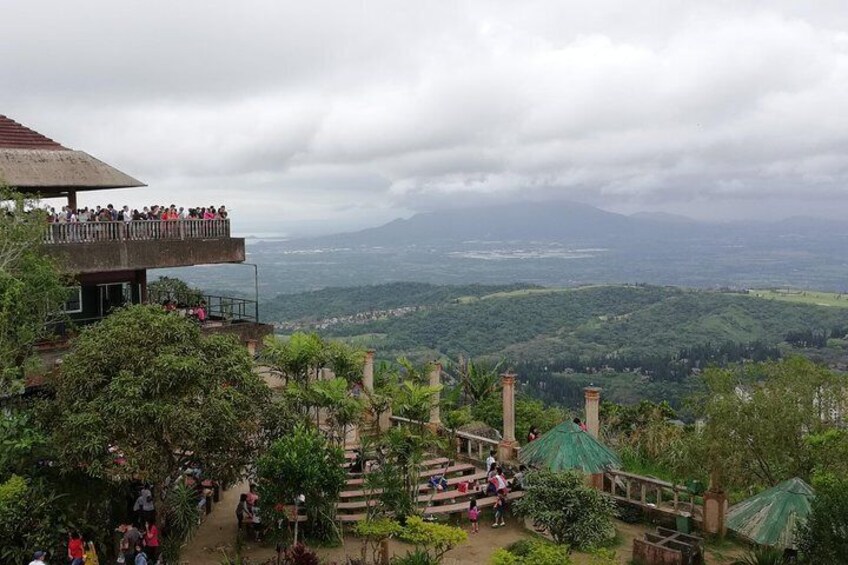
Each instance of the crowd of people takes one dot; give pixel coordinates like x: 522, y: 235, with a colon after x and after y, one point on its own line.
x: 156, y: 212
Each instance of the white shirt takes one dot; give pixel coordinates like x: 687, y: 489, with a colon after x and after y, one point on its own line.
x: 489, y: 461
x: 37, y: 562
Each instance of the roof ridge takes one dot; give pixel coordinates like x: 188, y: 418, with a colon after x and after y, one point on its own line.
x: 14, y: 135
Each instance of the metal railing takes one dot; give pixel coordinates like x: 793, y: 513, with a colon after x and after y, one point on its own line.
x: 220, y: 308
x: 142, y: 230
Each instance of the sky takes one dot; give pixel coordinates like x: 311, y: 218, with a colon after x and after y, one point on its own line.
x: 319, y: 117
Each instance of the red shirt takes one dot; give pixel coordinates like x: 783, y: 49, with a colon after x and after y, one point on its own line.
x: 151, y: 537
x: 75, y: 549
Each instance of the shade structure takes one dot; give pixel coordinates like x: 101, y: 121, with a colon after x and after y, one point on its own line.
x: 568, y: 447
x: 771, y: 517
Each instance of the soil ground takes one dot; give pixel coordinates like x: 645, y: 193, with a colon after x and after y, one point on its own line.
x: 216, y: 538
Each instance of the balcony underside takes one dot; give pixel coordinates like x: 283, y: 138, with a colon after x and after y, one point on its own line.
x: 126, y: 255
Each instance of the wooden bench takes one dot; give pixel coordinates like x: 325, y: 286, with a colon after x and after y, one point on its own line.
x: 360, y: 493
x: 437, y: 462
x: 427, y: 471
x: 463, y: 506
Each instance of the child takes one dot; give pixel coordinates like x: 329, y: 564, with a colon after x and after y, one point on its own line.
x: 500, y: 508
x: 473, y: 515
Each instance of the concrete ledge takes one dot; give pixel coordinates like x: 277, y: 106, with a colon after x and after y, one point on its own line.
x: 102, y: 256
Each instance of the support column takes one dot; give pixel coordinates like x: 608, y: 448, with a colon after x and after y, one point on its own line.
x: 368, y: 372
x: 435, y: 414
x: 506, y: 448
x: 593, y: 400
x: 72, y: 199
x: 715, y: 511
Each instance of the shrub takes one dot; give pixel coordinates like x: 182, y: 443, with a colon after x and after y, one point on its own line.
x: 822, y: 537
x: 299, y: 554
x: 573, y: 513
x: 433, y: 539
x: 417, y: 557
x: 532, y: 552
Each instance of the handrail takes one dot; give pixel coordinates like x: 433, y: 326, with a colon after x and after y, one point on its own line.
x: 138, y: 230
x: 469, y: 438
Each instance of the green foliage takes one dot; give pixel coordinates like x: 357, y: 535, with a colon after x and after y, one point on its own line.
x: 149, y: 385
x: 182, y: 511
x: 532, y: 552
x: 752, y: 432
x: 602, y: 556
x: 373, y: 532
x: 573, y: 513
x: 822, y: 538
x: 764, y: 556
x: 27, y: 519
x: 434, y: 539
x: 172, y: 288
x: 417, y: 557
x: 32, y: 289
x: 302, y: 463
x: 21, y: 442
x: 528, y: 412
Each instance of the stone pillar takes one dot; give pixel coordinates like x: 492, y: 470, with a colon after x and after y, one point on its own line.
x: 593, y: 400
x: 72, y: 199
x: 506, y: 448
x: 435, y: 415
x: 368, y: 372
x: 715, y: 511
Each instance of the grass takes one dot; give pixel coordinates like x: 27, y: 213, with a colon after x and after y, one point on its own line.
x: 811, y: 297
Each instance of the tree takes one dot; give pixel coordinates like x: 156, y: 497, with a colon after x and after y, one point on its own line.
x: 823, y: 538
x: 27, y: 519
x: 172, y: 288
x: 146, y: 385
x: 32, y: 288
x: 303, y: 463
x: 433, y: 539
x: 479, y: 381
x: 573, y: 513
x: 759, y: 419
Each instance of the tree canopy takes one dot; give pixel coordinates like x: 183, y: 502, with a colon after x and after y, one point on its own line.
x: 148, y: 386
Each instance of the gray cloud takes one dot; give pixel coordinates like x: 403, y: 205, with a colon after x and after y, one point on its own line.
x: 328, y: 115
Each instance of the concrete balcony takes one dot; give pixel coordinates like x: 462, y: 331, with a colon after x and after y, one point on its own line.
x: 97, y: 247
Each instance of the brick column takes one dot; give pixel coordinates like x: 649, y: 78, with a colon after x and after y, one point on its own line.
x: 506, y: 448
x: 593, y: 400
x: 435, y: 415
x: 368, y: 371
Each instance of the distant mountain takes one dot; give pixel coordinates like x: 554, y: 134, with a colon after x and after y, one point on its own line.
x: 547, y: 221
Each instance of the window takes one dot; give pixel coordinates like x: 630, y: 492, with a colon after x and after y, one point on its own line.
x: 73, y: 305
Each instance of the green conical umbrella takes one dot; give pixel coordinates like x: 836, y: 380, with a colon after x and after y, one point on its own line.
x: 568, y: 447
x: 770, y: 518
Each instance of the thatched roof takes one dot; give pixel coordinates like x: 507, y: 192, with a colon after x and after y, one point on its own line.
x: 568, y: 447
x: 771, y: 517
x: 33, y: 163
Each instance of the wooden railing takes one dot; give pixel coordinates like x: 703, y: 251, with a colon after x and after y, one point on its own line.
x: 469, y: 444
x: 652, y: 493
x: 143, y: 230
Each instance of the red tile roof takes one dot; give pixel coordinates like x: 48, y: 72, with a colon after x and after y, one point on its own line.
x: 16, y: 136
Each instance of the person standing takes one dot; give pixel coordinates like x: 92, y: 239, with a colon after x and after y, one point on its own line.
x: 144, y: 506
x: 243, y: 512
x: 474, y: 515
x: 151, y: 540
x: 38, y: 558
x: 490, y: 460
x: 500, y: 509
x: 76, y: 548
x: 140, y: 556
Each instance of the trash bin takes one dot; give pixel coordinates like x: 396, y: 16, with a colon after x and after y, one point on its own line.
x: 684, y: 523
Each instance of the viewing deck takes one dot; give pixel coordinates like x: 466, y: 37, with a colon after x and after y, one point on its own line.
x: 101, y: 247
x: 142, y: 230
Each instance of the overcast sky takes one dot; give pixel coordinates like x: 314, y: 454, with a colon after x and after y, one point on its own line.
x: 323, y: 116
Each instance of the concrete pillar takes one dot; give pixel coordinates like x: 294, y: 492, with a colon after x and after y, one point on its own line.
x: 506, y: 448
x: 715, y: 511
x: 368, y: 371
x: 593, y: 400
x: 435, y: 380
x: 72, y: 199
x: 385, y: 421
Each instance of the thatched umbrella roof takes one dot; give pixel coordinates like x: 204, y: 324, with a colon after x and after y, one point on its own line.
x: 568, y: 447
x: 770, y: 517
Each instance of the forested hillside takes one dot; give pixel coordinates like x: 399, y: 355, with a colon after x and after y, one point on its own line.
x: 638, y: 341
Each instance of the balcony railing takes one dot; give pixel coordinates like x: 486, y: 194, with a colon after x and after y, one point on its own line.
x: 219, y: 309
x: 143, y: 230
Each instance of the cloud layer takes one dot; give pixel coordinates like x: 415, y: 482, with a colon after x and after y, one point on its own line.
x: 325, y: 115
